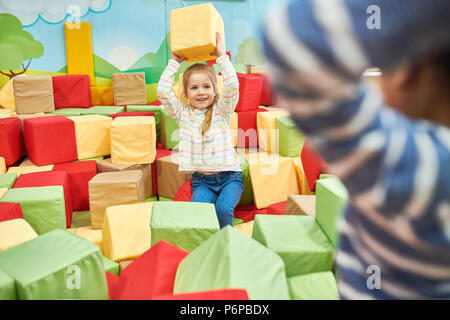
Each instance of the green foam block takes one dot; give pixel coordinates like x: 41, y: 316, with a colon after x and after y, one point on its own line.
x: 103, y: 110
x: 111, y: 266
x: 7, y: 180
x: 331, y: 200
x: 155, y: 109
x: 98, y: 159
x: 7, y: 287
x: 291, y: 138
x: 183, y: 224
x: 170, y: 136
x: 298, y: 240
x: 230, y: 259
x: 152, y: 199
x: 43, y: 207
x: 164, y: 199
x: 56, y: 265
x: 81, y: 219
x: 247, y: 195
x: 69, y: 112
x: 313, y: 286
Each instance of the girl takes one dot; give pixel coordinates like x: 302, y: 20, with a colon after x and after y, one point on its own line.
x: 205, y: 145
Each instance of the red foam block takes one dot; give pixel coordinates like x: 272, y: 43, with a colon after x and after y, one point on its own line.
x: 12, y: 146
x: 79, y: 173
x: 49, y: 178
x: 10, y: 211
x: 152, y: 274
x: 250, y: 88
x: 133, y: 114
x: 71, y: 91
x: 246, y: 212
x: 221, y: 294
x: 50, y: 140
x: 184, y: 193
x: 277, y: 208
x: 247, y: 128
x: 112, y: 282
x: 313, y: 165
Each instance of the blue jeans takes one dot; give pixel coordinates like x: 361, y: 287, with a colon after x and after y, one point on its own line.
x: 224, y: 189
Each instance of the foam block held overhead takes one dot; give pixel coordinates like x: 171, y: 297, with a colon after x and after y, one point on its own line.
x: 126, y: 231
x: 152, y: 274
x: 193, y: 31
x: 49, y: 178
x: 79, y: 174
x: 50, y: 140
x: 232, y: 253
x: 93, y: 135
x: 33, y: 94
x: 12, y: 146
x: 129, y: 88
x: 15, y: 232
x: 71, y: 91
x: 298, y: 240
x: 56, y: 265
x: 183, y: 224
x: 133, y: 140
x: 113, y: 188
x: 43, y: 207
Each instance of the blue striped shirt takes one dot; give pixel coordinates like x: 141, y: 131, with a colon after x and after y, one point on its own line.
x: 397, y: 170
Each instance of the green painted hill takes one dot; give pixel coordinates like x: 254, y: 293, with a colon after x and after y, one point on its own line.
x: 150, y: 59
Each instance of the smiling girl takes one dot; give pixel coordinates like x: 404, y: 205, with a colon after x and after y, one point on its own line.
x: 205, y: 145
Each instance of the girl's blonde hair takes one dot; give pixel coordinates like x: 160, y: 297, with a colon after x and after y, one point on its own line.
x: 204, y: 68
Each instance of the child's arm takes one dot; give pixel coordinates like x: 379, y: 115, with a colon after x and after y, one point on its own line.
x: 165, y: 91
x: 230, y: 94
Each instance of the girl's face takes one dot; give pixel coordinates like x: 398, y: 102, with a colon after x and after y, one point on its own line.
x: 200, y: 90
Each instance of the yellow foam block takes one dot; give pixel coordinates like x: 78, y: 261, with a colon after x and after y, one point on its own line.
x: 126, y: 231
x: 273, y: 178
x: 15, y: 232
x: 193, y: 31
x: 79, y: 56
x: 94, y: 236
x: 102, y: 96
x: 7, y: 100
x: 133, y: 140
x: 246, y: 228
x: 92, y: 134
x: 29, y: 169
x: 234, y: 128
x: 301, y: 177
x: 2, y: 165
x: 268, y: 136
x: 178, y: 88
x: 4, y: 113
x: 2, y: 192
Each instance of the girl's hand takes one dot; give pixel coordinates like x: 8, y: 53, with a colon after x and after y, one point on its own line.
x: 220, y: 48
x: 177, y: 58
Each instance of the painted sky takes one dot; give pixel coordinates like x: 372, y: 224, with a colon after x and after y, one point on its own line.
x: 124, y: 30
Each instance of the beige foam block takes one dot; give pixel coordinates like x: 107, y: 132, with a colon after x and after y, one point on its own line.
x: 15, y: 232
x: 169, y: 179
x: 301, y: 205
x: 7, y: 100
x: 301, y: 177
x: 113, y: 188
x: 33, y: 94
x: 92, y: 134
x: 3, y: 192
x: 133, y: 140
x: 129, y: 88
x: 193, y: 31
x: 268, y: 136
x: 245, y: 228
x: 94, y: 236
x: 2, y: 165
x: 273, y: 178
x: 29, y: 169
x: 124, y: 264
x: 126, y: 231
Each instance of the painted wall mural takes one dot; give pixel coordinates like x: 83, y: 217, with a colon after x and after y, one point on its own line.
x: 127, y: 35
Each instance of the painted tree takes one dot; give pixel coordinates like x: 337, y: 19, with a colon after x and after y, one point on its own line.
x: 16, y: 46
x: 249, y: 53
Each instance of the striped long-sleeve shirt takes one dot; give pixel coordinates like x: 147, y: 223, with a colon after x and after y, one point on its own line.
x: 397, y: 170
x: 214, y: 151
